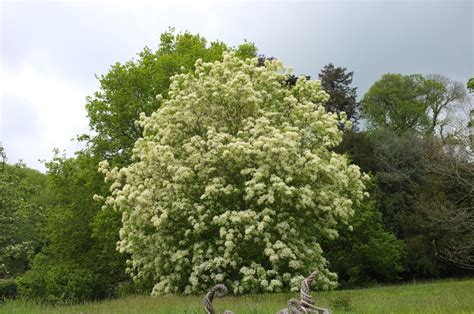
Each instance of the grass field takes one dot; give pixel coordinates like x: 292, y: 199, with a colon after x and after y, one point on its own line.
x: 453, y: 296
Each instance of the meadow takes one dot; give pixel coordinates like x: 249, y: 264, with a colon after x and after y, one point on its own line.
x: 453, y: 296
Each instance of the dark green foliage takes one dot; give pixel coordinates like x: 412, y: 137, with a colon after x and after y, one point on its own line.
x: 336, y: 82
x: 371, y: 252
x: 444, y: 216
x: 424, y: 192
x: 397, y: 165
x: 368, y: 253
x: 8, y: 289
x: 360, y: 147
x: 400, y: 170
x: 413, y: 103
x: 421, y: 259
x: 424, y: 198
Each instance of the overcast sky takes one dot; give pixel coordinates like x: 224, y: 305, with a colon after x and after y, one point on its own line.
x: 50, y: 51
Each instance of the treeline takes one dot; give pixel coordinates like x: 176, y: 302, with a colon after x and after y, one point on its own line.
x: 411, y: 133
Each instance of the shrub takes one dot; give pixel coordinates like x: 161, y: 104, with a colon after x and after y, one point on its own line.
x: 8, y: 289
x: 58, y: 283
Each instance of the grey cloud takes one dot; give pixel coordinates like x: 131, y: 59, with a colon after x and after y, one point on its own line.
x: 74, y: 41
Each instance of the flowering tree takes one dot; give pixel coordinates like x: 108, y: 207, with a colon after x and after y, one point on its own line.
x: 234, y: 182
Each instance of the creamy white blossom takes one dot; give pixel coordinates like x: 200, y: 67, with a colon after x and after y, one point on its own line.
x: 234, y: 181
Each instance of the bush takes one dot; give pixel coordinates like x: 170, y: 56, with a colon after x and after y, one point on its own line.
x: 58, y: 283
x: 368, y: 253
x: 342, y: 303
x: 8, y: 289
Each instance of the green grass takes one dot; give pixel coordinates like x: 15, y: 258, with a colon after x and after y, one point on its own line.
x: 453, y: 296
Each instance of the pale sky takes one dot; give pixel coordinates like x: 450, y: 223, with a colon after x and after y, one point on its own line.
x: 50, y: 51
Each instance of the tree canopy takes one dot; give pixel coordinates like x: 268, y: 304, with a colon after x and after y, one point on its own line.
x: 395, y: 101
x: 234, y: 156
x: 414, y: 102
x: 336, y: 82
x: 130, y: 88
x: 24, y: 197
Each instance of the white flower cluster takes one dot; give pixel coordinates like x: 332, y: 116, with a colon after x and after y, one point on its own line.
x: 234, y: 182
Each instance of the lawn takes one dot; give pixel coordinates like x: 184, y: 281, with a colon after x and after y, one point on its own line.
x: 452, y: 296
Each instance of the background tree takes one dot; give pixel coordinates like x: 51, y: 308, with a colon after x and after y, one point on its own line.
x: 445, y: 210
x: 23, y: 204
x: 401, y: 156
x: 443, y: 96
x: 336, y: 82
x: 397, y: 102
x: 398, y: 166
x: 68, y: 266
x: 398, y: 169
